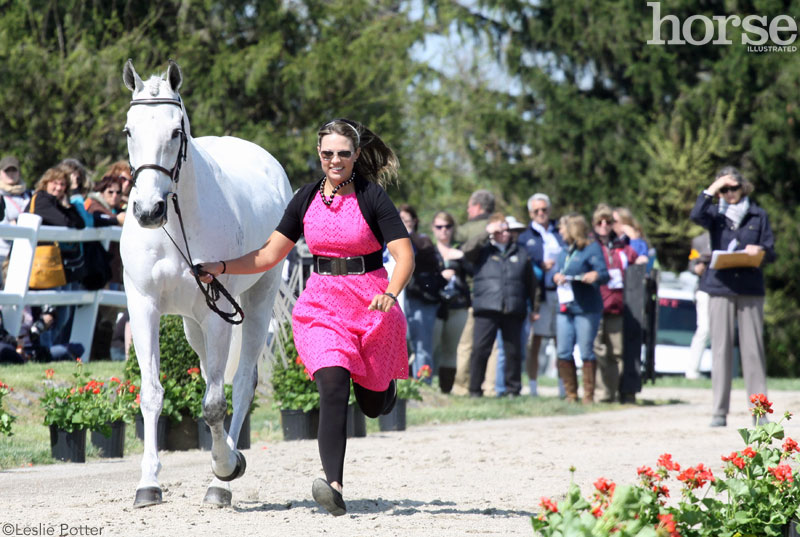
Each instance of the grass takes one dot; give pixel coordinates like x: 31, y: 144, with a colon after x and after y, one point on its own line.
x: 30, y: 443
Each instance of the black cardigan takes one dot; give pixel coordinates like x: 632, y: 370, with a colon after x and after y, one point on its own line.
x: 378, y: 210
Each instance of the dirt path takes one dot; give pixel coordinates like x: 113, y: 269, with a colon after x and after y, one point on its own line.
x: 475, y: 478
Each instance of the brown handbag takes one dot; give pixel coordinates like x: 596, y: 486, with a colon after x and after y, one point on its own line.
x: 48, y: 269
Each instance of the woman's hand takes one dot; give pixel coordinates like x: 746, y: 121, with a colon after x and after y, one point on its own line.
x: 752, y: 249
x: 448, y: 273
x: 382, y: 303
x: 725, y: 180
x: 207, y: 270
x: 558, y: 278
x: 589, y: 277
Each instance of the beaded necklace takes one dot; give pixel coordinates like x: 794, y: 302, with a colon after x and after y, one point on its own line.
x: 328, y: 202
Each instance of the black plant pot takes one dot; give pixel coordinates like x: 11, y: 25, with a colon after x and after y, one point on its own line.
x: 161, y: 429
x: 356, y: 422
x: 396, y: 419
x: 791, y: 529
x: 111, y: 446
x: 204, y: 433
x: 299, y: 425
x: 66, y: 446
x: 182, y: 435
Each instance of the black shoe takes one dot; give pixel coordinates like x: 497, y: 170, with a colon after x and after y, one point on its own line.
x: 627, y: 398
x: 391, y: 394
x: 328, y: 497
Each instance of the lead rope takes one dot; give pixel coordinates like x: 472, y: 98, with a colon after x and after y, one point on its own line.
x: 214, y: 289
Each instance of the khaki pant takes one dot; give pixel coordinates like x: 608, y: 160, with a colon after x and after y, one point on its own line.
x: 726, y: 313
x: 461, y: 384
x: 608, y: 350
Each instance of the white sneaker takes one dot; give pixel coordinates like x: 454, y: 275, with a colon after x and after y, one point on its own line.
x: 692, y: 375
x: 534, y: 388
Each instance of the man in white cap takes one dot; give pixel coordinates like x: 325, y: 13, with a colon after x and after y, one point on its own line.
x: 15, y: 196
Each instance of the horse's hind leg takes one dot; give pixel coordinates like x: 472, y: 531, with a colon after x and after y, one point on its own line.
x: 144, y: 325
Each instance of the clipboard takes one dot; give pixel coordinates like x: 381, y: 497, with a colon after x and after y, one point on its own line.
x: 721, y: 259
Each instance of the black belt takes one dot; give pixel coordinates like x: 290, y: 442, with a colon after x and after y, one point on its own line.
x: 342, y: 266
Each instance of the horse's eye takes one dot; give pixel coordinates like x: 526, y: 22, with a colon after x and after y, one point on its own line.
x: 126, y: 131
x: 176, y: 133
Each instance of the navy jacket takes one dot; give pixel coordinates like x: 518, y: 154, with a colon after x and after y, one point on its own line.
x: 504, y: 281
x: 754, y: 229
x: 587, y: 296
x: 533, y: 243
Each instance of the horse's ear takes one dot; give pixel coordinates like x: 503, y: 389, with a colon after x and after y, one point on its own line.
x: 174, y: 75
x: 131, y: 78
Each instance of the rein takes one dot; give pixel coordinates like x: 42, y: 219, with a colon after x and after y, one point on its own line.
x: 214, y: 289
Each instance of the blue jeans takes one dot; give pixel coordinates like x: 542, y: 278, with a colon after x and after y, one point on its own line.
x: 421, y: 317
x: 580, y: 328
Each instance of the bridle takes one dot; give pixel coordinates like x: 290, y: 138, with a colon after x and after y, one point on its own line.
x: 174, y: 173
x: 215, y: 289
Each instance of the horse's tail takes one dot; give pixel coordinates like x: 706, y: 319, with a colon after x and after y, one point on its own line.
x: 234, y: 352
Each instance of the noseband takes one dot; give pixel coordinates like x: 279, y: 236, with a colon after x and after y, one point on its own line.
x: 174, y: 173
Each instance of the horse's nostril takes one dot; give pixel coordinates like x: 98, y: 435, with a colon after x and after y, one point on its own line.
x: 159, y: 209
x: 136, y: 209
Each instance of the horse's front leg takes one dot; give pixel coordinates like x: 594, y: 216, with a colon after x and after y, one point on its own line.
x: 144, y: 325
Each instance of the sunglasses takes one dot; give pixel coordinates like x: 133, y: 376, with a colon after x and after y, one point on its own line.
x: 726, y: 189
x: 328, y: 155
x: 113, y: 192
x: 604, y: 221
x: 445, y: 226
x: 539, y: 211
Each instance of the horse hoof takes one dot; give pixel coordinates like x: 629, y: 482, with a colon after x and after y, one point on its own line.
x: 241, y: 465
x: 147, y: 496
x: 218, y: 496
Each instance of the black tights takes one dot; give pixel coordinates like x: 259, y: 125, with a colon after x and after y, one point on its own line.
x: 333, y: 384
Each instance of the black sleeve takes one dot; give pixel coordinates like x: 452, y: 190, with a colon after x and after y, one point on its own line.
x: 389, y: 221
x: 291, y: 224
x: 54, y: 214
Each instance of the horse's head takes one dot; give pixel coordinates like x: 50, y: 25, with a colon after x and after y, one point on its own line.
x: 157, y: 132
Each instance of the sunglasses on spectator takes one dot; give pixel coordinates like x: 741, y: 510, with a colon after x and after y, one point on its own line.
x: 538, y: 211
x: 113, y: 192
x: 726, y: 189
x: 10, y: 169
x: 445, y: 226
x: 605, y: 221
x: 328, y: 155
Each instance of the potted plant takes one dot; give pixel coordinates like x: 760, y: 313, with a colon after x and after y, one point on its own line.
x: 71, y: 410
x: 122, y: 399
x: 356, y: 419
x: 6, y: 419
x: 756, y: 493
x: 294, y: 393
x: 406, y: 389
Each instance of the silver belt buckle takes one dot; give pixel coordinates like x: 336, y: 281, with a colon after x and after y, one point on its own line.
x: 338, y: 266
x: 363, y: 268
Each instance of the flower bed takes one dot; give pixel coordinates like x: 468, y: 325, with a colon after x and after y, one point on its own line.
x: 756, y: 493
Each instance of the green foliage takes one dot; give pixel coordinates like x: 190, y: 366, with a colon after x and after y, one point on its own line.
x: 6, y: 419
x: 292, y: 387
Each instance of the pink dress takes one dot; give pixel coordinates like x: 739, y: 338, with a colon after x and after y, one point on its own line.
x: 331, y: 321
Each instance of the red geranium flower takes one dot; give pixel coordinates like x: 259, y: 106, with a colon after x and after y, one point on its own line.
x: 782, y: 472
x: 48, y: 373
x: 748, y: 452
x: 665, y: 461
x: 666, y: 522
x: 696, y: 477
x: 789, y: 445
x: 548, y: 504
x: 761, y: 405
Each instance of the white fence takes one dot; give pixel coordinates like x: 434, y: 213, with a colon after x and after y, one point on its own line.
x: 16, y: 294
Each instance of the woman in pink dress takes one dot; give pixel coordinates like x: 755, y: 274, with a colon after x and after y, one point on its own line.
x: 346, y: 322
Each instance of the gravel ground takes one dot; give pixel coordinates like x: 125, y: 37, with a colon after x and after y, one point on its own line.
x: 472, y: 478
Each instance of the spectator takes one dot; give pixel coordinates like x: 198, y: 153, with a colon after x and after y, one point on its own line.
x: 122, y: 169
x: 699, y: 258
x: 449, y: 325
x: 15, y: 198
x: 422, y: 293
x: 581, y: 270
x: 33, y: 332
x: 608, y: 343
x: 629, y: 230
x: 543, y: 244
x: 51, y: 202
x: 479, y: 207
x: 504, y: 290
x: 105, y: 201
x: 77, y: 187
x: 736, y: 294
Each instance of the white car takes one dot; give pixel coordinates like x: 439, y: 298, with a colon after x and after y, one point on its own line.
x: 677, y: 321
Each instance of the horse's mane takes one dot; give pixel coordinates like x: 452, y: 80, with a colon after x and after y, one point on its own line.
x: 153, y: 85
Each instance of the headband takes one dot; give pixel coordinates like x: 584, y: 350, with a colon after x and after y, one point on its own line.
x: 358, y: 136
